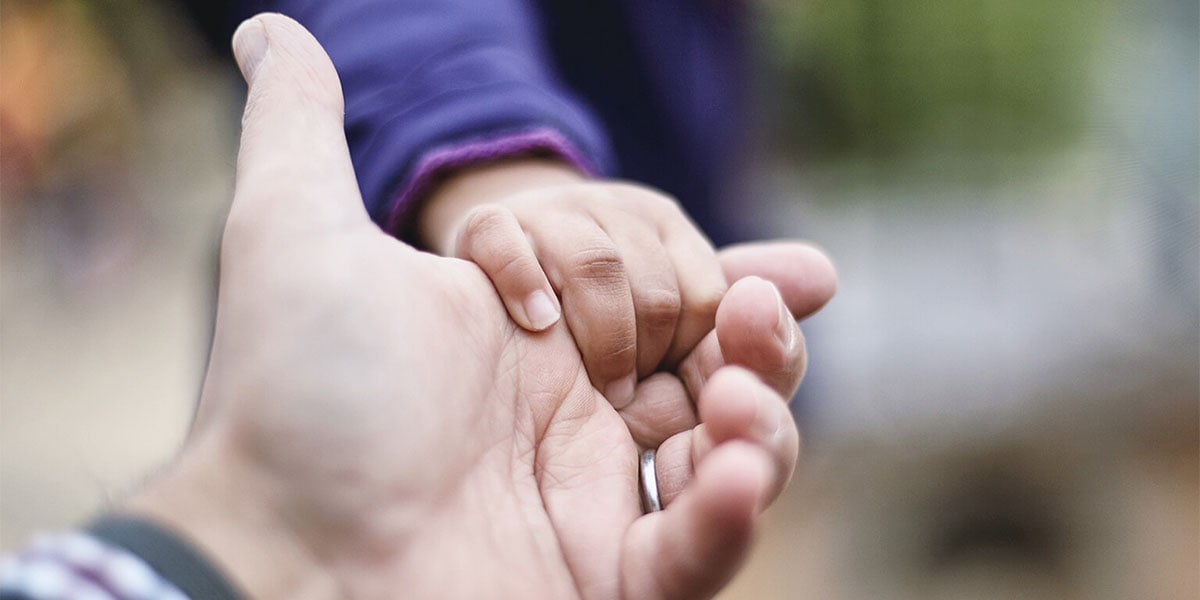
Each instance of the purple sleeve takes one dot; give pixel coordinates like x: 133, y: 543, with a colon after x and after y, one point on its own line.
x: 433, y: 85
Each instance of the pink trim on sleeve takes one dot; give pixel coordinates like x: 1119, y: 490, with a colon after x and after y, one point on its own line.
x: 438, y: 162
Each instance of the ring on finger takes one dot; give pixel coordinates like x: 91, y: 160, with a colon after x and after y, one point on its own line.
x: 648, y: 482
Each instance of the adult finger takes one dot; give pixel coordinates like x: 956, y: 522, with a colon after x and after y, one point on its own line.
x: 737, y: 405
x: 294, y: 169
x: 734, y: 404
x: 674, y: 465
x: 754, y: 330
x: 804, y: 275
x: 492, y: 238
x: 694, y: 546
x: 804, y: 278
x: 586, y: 268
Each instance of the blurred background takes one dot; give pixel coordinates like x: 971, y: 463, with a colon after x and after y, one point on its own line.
x: 1002, y: 402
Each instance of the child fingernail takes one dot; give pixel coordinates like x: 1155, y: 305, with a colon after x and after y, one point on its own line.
x: 541, y: 311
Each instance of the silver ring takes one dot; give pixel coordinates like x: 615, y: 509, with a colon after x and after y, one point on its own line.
x: 648, y: 482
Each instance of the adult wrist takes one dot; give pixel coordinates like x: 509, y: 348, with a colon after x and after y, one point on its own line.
x: 214, y: 505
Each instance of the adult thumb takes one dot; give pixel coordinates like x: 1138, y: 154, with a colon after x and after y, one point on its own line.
x: 293, y: 165
x: 803, y: 274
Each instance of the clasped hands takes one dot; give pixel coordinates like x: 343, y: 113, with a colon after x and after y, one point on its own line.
x: 373, y: 423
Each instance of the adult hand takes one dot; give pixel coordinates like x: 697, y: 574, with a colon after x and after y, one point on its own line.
x: 372, y: 421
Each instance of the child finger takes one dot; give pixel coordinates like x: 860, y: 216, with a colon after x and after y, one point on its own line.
x: 701, y: 283
x: 585, y: 266
x: 492, y: 238
x: 655, y: 289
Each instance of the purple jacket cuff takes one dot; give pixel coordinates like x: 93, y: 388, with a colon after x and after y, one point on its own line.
x: 436, y: 164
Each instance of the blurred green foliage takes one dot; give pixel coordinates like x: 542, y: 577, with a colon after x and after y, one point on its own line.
x: 893, y: 79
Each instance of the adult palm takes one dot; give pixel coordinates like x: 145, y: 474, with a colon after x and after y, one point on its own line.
x: 372, y: 423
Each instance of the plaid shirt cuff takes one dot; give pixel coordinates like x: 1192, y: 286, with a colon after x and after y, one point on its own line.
x: 78, y: 566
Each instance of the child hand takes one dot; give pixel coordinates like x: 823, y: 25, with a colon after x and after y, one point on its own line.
x: 639, y: 284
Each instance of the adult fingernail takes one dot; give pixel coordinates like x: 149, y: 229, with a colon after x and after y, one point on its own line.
x: 250, y: 47
x: 541, y: 311
x: 768, y: 424
x: 620, y: 393
x: 785, y: 329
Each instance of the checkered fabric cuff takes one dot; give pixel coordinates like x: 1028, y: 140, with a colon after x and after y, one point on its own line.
x: 78, y: 566
x: 117, y: 558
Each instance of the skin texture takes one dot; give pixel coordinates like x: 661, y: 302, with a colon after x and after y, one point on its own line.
x: 373, y: 421
x: 639, y: 283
